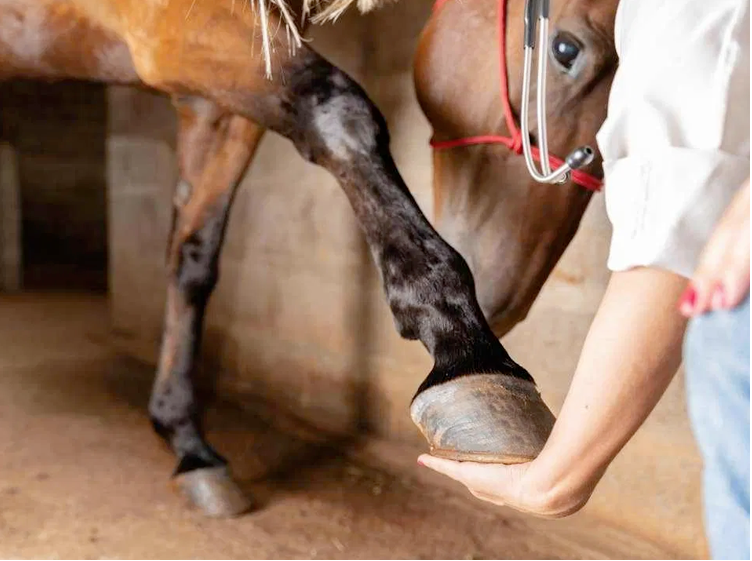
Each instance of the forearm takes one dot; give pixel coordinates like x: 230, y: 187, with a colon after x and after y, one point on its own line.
x: 630, y: 355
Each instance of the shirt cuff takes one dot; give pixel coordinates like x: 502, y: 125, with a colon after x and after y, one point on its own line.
x: 664, y: 208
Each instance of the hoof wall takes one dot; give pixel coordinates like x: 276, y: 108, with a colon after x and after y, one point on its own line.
x: 490, y: 418
x: 213, y: 491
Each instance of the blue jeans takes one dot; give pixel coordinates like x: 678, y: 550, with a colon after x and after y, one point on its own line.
x: 716, y: 353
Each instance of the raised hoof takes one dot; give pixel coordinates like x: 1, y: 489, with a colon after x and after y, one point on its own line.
x: 213, y: 491
x: 490, y: 418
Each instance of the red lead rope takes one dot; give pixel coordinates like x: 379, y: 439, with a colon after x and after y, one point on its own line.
x: 514, y: 142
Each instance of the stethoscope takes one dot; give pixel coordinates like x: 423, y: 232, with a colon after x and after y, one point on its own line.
x: 538, y: 10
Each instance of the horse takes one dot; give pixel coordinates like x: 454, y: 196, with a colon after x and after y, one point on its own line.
x: 229, y: 85
x: 510, y: 229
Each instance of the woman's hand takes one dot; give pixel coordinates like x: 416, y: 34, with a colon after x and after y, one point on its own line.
x: 516, y: 486
x: 721, y: 280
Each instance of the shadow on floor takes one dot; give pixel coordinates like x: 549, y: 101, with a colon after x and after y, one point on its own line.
x: 262, y: 442
x: 82, y: 474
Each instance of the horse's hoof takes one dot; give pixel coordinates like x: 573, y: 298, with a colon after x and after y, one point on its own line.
x: 213, y: 491
x: 491, y: 418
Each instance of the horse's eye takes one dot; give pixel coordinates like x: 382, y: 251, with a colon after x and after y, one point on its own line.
x: 565, y: 48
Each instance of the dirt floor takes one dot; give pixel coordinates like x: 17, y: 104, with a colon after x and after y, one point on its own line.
x: 83, y: 476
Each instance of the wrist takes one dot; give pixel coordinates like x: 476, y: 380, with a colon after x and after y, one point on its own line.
x: 562, y: 484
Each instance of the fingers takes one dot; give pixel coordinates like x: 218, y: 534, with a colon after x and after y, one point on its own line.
x: 721, y: 280
x: 477, y: 477
x: 735, y: 273
x: 486, y: 478
x: 484, y: 481
x: 493, y: 481
x: 706, y: 290
x: 446, y: 467
x: 688, y: 300
x: 735, y: 279
x: 503, y: 485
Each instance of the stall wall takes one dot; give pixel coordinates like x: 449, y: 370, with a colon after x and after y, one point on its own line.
x: 298, y: 316
x: 54, y: 149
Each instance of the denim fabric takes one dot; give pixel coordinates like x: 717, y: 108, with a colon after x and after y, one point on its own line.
x: 716, y: 353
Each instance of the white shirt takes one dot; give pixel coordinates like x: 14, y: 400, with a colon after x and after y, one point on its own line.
x: 675, y: 144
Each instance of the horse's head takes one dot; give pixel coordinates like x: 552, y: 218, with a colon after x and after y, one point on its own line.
x: 511, y: 230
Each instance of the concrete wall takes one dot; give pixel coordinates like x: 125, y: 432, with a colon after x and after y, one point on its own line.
x: 58, y: 136
x: 299, y: 316
x: 11, y: 273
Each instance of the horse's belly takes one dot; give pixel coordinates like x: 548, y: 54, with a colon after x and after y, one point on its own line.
x: 55, y: 39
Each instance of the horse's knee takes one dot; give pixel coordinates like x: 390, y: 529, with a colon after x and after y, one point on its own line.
x: 334, y: 120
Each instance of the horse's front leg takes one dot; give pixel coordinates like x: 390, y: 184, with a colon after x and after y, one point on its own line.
x: 214, y: 149
x: 477, y: 403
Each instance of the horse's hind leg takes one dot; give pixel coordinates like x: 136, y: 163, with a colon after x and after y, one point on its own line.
x: 214, y: 149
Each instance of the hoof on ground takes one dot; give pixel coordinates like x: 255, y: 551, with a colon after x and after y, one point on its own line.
x: 213, y: 491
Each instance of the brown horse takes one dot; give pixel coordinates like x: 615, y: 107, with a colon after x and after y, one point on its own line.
x: 510, y: 229
x: 208, y: 58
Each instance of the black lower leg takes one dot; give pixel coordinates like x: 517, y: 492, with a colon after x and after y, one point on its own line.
x: 173, y: 406
x: 202, y: 474
x: 428, y: 284
x: 214, y: 150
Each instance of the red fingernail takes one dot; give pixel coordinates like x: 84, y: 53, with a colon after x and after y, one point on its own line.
x: 687, y: 300
x: 420, y: 463
x: 718, y: 300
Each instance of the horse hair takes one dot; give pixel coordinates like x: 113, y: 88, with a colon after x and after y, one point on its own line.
x: 316, y: 11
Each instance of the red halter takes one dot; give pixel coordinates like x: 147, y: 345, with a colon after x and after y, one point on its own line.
x: 513, y: 142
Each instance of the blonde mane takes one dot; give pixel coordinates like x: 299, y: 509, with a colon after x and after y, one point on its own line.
x: 315, y: 11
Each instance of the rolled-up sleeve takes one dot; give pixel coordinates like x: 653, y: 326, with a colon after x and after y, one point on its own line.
x: 675, y: 143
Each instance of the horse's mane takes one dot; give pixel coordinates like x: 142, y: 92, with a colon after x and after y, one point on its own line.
x: 329, y: 10
x: 315, y: 11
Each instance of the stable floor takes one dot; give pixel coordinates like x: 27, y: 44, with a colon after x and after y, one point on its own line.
x: 83, y: 476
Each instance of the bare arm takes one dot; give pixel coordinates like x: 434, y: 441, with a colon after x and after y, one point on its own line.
x: 631, y: 353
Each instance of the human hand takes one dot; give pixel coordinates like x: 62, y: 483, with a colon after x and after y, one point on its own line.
x: 722, y: 277
x: 721, y: 280
x: 516, y: 486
